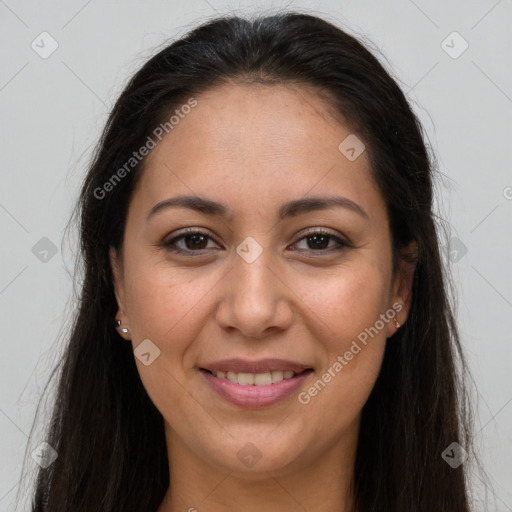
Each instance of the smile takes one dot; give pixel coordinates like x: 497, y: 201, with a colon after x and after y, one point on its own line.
x: 255, y: 390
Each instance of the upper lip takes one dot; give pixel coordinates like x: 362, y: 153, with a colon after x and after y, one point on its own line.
x: 256, y: 366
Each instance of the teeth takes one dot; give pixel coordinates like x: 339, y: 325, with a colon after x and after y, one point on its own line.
x: 277, y: 376
x: 256, y: 379
x: 246, y: 379
x: 263, y: 379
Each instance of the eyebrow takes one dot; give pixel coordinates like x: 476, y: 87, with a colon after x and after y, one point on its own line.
x: 289, y: 209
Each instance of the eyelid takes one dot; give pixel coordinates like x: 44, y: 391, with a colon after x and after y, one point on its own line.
x: 342, y: 242
x: 323, y: 231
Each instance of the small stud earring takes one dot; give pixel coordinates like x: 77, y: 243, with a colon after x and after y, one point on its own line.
x: 124, y: 330
x: 396, y: 323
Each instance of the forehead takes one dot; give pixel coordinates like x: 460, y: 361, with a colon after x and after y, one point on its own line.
x: 257, y: 144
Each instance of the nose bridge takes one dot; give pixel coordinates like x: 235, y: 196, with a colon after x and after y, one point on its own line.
x: 256, y: 278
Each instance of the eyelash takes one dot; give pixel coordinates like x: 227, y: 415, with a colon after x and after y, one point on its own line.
x: 342, y: 244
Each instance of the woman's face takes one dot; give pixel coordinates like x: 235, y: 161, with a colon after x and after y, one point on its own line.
x: 258, y: 293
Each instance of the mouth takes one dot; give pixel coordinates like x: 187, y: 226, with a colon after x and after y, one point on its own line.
x: 255, y: 385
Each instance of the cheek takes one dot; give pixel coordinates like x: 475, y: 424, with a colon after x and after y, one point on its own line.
x: 348, y: 309
x: 167, y: 305
x: 348, y: 301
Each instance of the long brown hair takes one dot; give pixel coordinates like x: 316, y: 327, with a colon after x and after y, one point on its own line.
x: 108, y: 434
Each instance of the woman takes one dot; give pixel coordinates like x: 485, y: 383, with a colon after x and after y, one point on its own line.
x: 264, y: 321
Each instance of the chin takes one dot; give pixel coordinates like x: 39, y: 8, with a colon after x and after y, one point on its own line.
x: 256, y: 454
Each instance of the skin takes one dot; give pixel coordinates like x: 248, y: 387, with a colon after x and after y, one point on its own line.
x: 252, y: 148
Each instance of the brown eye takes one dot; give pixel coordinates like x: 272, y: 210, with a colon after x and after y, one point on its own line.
x: 317, y: 241
x: 196, y: 241
x: 191, y: 241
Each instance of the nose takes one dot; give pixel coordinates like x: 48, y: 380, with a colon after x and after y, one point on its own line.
x: 255, y: 299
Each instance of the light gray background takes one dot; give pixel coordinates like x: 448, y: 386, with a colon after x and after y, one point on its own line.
x: 52, y: 110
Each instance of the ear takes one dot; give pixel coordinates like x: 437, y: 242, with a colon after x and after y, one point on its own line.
x: 401, y: 295
x: 117, y: 273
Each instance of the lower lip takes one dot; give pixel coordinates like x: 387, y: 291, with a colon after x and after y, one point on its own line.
x: 255, y: 397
